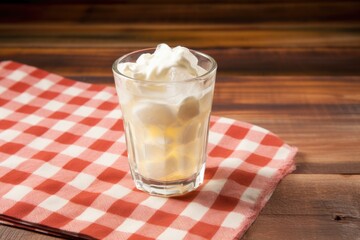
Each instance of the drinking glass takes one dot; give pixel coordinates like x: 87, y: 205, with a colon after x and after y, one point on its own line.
x: 166, y: 127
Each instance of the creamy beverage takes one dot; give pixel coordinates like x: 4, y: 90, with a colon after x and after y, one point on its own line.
x: 166, y: 99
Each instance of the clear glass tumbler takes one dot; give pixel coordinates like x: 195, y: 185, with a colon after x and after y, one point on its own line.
x: 166, y: 127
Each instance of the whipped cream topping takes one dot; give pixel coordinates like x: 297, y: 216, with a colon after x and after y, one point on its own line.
x: 165, y: 64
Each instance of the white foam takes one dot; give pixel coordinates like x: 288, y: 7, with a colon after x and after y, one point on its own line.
x: 165, y: 64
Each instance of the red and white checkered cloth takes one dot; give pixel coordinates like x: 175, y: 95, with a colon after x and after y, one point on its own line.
x: 63, y: 167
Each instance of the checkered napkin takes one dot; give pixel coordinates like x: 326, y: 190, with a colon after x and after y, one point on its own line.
x: 64, y: 170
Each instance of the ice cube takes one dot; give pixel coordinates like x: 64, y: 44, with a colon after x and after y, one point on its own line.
x: 155, y: 134
x: 152, y: 90
x: 154, y: 114
x: 150, y: 160
x: 172, y: 133
x: 189, y: 132
x: 179, y: 74
x: 154, y: 152
x: 157, y: 164
x: 182, y: 163
x: 188, y: 109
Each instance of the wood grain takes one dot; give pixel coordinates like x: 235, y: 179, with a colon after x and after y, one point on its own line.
x: 119, y: 35
x: 183, y: 12
x: 96, y: 61
x: 7, y: 233
x: 302, y: 227
x: 319, y: 203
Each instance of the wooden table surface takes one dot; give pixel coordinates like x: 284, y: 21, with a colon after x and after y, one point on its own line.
x: 292, y: 67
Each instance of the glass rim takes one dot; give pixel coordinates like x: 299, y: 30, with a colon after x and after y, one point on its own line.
x: 208, y: 72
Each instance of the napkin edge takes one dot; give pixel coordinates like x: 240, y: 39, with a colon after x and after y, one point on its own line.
x: 265, y: 195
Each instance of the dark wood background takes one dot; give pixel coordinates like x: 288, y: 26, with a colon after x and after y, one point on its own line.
x: 291, y: 66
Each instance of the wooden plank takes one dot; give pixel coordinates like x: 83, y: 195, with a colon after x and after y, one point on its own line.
x: 300, y: 96
x: 268, y: 61
x: 183, y: 12
x: 328, y: 195
x: 302, y: 227
x: 306, y: 206
x: 96, y: 2
x: 7, y: 232
x: 120, y: 35
x: 319, y: 115
x: 292, y: 91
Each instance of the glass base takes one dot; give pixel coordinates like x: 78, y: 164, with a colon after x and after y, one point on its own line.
x: 170, y: 188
